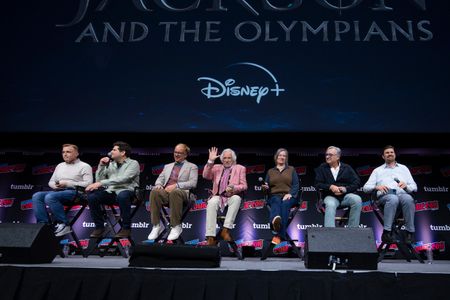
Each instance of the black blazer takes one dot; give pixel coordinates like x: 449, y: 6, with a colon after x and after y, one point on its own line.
x: 347, y: 178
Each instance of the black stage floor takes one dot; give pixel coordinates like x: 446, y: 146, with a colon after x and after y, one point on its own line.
x: 80, y: 278
x: 250, y: 263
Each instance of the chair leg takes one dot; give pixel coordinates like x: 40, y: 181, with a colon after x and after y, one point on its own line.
x: 293, y: 246
x: 119, y: 247
x: 414, y: 252
x: 236, y: 249
x: 382, y: 251
x: 78, y: 243
x: 267, y: 251
x: 93, y: 245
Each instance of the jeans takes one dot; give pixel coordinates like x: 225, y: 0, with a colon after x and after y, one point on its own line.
x: 390, y: 203
x: 99, y: 197
x: 351, y: 200
x: 55, y: 200
x: 281, y: 208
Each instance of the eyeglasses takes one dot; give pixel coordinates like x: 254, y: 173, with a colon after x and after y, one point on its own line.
x: 179, y: 153
x: 329, y: 154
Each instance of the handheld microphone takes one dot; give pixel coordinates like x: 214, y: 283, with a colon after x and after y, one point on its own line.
x: 398, y: 181
x: 110, y: 158
x: 262, y: 181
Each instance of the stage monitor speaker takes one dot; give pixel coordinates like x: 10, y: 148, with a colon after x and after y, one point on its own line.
x: 22, y: 243
x: 343, y: 248
x: 174, y: 256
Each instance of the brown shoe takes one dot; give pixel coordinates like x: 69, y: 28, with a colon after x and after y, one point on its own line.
x: 97, y: 233
x: 123, y: 233
x: 276, y: 223
x: 225, y: 234
x: 276, y: 240
x: 211, y: 241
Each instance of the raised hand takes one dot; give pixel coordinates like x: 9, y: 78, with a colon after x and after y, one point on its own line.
x: 213, y: 153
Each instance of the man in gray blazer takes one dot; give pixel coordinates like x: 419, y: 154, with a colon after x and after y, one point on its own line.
x: 172, y: 189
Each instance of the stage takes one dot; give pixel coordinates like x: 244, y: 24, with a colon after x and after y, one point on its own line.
x: 276, y: 278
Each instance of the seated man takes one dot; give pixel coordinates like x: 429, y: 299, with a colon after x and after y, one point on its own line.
x: 116, y: 178
x: 394, y: 184
x: 172, y: 188
x: 338, y: 182
x: 67, y: 175
x: 229, y: 182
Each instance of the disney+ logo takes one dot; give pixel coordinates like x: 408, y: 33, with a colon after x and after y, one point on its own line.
x: 217, y: 89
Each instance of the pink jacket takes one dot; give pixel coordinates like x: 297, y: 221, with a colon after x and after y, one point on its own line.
x: 237, y: 178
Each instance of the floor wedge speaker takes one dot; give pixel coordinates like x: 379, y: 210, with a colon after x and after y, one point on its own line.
x: 174, y: 256
x: 341, y: 248
x: 22, y: 243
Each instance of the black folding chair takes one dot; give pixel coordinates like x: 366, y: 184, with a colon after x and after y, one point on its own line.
x: 220, y: 221
x: 79, y: 199
x: 293, y: 212
x: 112, y: 219
x: 340, y: 220
x: 165, y: 218
x: 407, y: 250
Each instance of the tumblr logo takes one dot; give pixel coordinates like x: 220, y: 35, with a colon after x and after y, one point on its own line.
x: 231, y: 87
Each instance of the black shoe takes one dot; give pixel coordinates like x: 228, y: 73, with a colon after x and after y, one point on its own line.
x: 386, y: 237
x: 409, y: 238
x: 123, y: 233
x: 97, y: 233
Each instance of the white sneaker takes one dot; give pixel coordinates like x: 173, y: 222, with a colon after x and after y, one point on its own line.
x: 175, y: 233
x: 156, y: 231
x: 62, y: 229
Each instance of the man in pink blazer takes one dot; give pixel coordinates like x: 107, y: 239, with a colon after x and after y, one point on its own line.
x: 229, y: 183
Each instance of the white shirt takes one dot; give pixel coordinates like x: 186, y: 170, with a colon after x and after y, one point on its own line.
x: 76, y: 173
x: 386, y: 175
x: 335, y: 171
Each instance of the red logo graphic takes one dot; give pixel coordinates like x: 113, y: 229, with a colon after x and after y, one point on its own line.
x: 84, y: 243
x: 366, y: 207
x: 26, y: 204
x: 303, y: 206
x: 365, y: 170
x: 281, y: 248
x: 421, y: 170
x: 445, y: 171
x: 6, y: 202
x: 157, y: 170
x: 438, y: 246
x: 258, y: 169
x: 43, y: 169
x: 257, y: 244
x: 18, y: 168
x: 428, y: 205
x: 199, y: 204
x: 300, y: 170
x: 254, y: 204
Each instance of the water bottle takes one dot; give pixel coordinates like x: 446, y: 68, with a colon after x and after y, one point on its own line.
x: 126, y: 248
x: 66, y: 249
x: 429, y: 255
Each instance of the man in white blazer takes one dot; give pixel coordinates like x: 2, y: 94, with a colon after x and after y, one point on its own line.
x: 172, y: 189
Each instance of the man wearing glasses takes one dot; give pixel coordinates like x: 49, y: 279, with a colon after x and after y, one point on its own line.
x: 338, y: 181
x: 172, y: 189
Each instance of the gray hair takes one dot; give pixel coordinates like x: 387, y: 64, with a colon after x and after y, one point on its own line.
x: 233, y: 154
x: 278, y: 153
x: 338, y: 150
